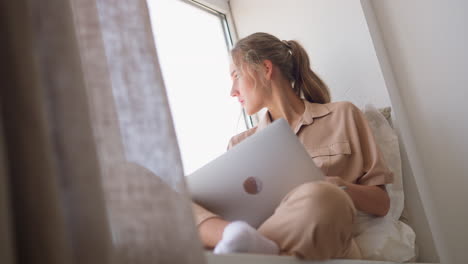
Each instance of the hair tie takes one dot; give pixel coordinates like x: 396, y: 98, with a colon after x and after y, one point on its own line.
x: 286, y: 43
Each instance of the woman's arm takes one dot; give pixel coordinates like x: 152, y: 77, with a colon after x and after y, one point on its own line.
x: 369, y: 199
x: 211, y: 231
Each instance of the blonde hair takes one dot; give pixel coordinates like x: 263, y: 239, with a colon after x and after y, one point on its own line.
x: 289, y: 56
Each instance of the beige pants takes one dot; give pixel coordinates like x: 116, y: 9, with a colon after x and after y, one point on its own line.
x: 314, y: 221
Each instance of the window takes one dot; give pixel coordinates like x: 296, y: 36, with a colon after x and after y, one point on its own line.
x: 193, y: 44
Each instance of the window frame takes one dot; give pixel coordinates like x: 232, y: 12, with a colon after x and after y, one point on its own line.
x: 222, y: 9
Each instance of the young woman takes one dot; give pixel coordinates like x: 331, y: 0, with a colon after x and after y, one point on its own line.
x: 315, y: 220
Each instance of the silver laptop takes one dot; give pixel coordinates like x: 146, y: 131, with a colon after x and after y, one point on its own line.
x: 249, y: 181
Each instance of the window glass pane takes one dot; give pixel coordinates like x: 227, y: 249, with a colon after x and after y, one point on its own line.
x: 195, y: 64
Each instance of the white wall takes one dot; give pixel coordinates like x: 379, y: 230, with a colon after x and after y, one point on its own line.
x: 427, y: 46
x: 334, y: 34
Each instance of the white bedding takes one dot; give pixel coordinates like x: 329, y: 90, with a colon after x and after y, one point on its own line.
x: 386, y: 238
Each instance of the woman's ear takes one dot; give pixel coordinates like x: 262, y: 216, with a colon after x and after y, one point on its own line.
x: 268, y: 65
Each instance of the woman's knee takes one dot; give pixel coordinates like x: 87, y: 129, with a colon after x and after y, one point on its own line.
x: 313, y: 219
x: 320, y: 201
x: 317, y: 191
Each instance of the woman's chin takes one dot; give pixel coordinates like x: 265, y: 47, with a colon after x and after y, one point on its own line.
x: 250, y: 111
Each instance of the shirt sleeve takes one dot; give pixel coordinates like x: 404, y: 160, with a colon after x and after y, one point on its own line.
x: 230, y: 144
x: 240, y: 137
x: 375, y: 170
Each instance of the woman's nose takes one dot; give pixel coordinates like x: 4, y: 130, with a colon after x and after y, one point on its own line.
x: 234, y: 92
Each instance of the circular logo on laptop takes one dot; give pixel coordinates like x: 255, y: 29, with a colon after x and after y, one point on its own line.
x: 252, y: 185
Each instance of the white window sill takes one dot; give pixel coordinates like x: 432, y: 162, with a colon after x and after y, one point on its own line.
x: 267, y: 259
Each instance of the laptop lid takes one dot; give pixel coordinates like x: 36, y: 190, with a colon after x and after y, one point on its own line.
x: 249, y: 181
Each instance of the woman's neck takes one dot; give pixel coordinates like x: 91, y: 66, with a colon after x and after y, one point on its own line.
x: 284, y: 103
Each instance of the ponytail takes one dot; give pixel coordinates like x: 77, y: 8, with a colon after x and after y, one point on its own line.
x: 306, y: 82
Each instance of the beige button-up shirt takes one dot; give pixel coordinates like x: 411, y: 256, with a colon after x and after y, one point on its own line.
x: 339, y: 140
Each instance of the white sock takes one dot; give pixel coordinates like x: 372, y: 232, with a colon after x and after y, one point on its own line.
x: 239, y: 236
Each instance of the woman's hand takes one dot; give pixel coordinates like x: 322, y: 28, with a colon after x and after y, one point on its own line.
x: 369, y: 199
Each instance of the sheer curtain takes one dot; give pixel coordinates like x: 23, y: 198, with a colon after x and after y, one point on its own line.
x: 90, y: 164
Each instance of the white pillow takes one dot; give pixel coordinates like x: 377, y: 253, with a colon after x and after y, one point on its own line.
x: 387, y: 141
x: 386, y: 238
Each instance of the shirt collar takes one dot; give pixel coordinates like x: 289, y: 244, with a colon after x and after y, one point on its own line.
x: 312, y: 111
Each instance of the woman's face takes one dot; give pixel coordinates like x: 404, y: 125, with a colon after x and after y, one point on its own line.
x: 243, y: 87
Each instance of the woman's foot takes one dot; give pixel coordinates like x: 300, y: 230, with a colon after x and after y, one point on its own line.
x: 240, y: 237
